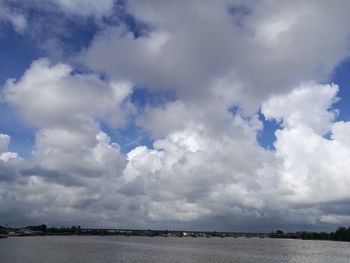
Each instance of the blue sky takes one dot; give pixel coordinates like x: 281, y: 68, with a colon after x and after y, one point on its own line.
x: 150, y: 114
x: 342, y: 78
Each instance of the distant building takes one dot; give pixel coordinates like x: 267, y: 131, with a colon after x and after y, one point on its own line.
x: 25, y: 232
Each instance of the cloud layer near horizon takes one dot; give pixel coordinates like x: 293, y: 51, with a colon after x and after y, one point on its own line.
x: 230, y: 64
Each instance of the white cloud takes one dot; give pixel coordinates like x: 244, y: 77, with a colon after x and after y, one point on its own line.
x: 226, y: 173
x: 340, y: 133
x: 51, y: 95
x: 74, y: 165
x: 269, y: 48
x: 306, y: 105
x: 313, y: 168
x: 191, y: 174
x: 67, y: 108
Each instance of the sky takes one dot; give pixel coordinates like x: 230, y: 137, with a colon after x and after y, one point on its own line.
x: 221, y: 115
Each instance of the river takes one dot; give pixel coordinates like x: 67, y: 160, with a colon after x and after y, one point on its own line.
x: 115, y: 249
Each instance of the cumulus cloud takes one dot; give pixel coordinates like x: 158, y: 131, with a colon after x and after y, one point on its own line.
x: 269, y: 46
x: 74, y: 164
x: 312, y: 167
x: 51, y: 95
x: 227, y: 173
x: 208, y: 164
x: 306, y: 105
x: 188, y: 172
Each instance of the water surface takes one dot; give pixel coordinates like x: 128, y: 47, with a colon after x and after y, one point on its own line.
x: 115, y: 249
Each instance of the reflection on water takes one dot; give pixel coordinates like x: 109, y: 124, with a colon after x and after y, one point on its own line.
x: 160, y: 249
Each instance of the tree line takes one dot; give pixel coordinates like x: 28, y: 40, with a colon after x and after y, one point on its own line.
x: 341, y: 234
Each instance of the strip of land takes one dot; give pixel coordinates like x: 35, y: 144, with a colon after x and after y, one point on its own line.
x: 341, y: 234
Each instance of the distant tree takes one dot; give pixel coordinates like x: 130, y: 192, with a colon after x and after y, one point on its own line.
x: 341, y: 233
x: 42, y: 228
x: 3, y: 230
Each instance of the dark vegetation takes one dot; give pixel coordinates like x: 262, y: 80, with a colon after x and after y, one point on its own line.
x: 3, y: 230
x: 341, y: 234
